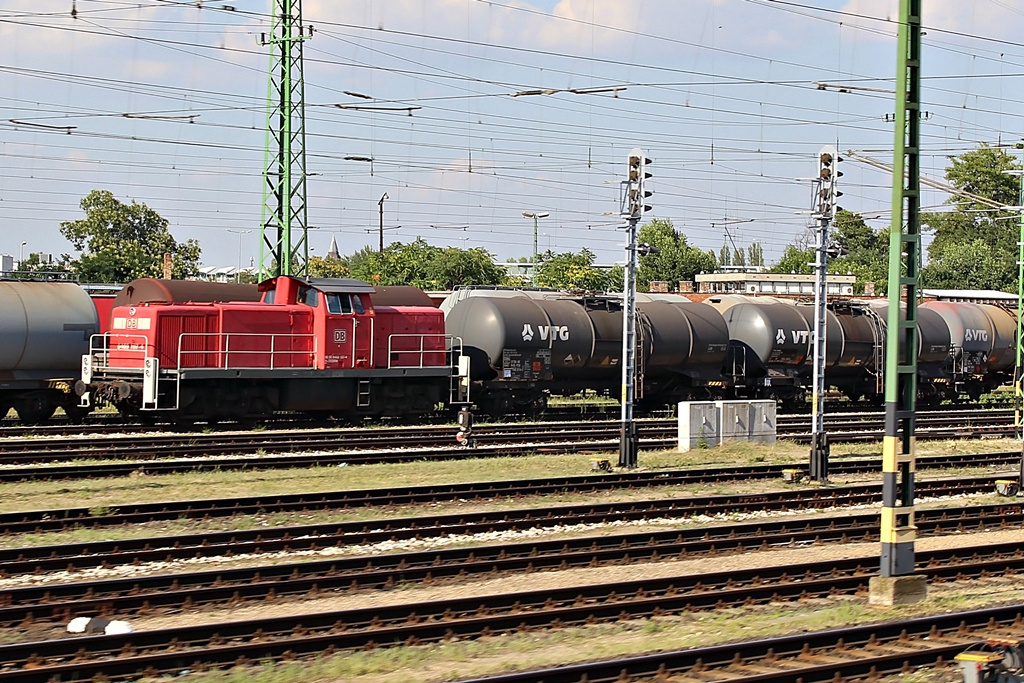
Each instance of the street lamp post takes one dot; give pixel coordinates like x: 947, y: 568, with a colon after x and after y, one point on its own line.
x: 380, y: 204
x: 21, y: 254
x: 535, y: 215
x: 238, y: 270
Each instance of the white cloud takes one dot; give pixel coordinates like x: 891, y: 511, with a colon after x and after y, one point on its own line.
x: 1001, y: 21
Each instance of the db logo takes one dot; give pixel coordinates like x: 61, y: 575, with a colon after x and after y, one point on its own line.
x: 340, y: 336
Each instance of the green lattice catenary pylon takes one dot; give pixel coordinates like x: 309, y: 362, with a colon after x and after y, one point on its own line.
x: 283, y: 247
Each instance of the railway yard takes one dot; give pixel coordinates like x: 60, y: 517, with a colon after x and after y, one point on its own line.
x: 295, y: 552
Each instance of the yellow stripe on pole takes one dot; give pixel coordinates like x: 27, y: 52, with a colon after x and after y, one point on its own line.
x: 891, y: 533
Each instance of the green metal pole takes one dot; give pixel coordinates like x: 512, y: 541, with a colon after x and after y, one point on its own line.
x: 284, y: 247
x: 898, y: 449
x: 1018, y: 379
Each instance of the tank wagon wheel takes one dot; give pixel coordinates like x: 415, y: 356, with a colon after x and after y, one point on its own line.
x: 76, y: 414
x: 34, y: 409
x: 536, y: 407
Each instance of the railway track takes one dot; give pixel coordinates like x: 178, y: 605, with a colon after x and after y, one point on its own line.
x: 859, y: 652
x: 847, y: 651
x: 40, y: 521
x: 98, y: 424
x: 22, y: 459
x: 59, y: 602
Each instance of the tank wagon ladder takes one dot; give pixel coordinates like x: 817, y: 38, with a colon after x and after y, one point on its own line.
x: 878, y: 348
x: 956, y: 368
x: 643, y: 333
x: 458, y: 389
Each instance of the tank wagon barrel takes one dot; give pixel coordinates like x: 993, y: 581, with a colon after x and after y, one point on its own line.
x: 527, y: 345
x: 44, y: 330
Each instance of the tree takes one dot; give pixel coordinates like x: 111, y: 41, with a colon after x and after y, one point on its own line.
x: 980, y: 173
x: 121, y: 242
x: 971, y: 265
x: 324, y: 267
x: 35, y: 268
x: 571, y: 271
x: 725, y: 256
x: 676, y: 260
x: 755, y: 254
x: 452, y: 267
x: 795, y: 260
x: 423, y: 265
x: 868, y: 251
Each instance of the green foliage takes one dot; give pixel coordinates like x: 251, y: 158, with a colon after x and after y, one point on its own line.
x: 424, y: 266
x: 675, y: 261
x: 755, y: 254
x: 868, y: 257
x: 322, y: 267
x: 121, y: 242
x: 795, y: 260
x: 572, y: 271
x: 34, y: 268
x: 970, y: 265
x: 979, y: 172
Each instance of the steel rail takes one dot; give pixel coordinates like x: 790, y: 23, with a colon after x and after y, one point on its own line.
x: 834, y: 655
x: 39, y: 521
x: 275, y: 638
x: 142, y: 595
x: 361, y: 438
x: 146, y: 460
x: 99, y: 425
x: 77, y: 556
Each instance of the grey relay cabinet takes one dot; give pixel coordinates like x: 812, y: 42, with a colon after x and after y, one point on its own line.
x: 703, y: 424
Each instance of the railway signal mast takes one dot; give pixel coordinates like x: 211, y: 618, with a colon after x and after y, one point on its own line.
x: 898, y: 582
x: 824, y: 210
x: 283, y: 247
x: 632, y: 207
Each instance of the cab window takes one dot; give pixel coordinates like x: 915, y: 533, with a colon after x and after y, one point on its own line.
x: 357, y: 303
x: 309, y: 296
x: 338, y: 303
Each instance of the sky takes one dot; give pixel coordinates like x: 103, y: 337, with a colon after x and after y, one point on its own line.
x: 165, y: 103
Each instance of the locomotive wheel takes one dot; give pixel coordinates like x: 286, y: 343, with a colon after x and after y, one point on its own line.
x: 34, y: 409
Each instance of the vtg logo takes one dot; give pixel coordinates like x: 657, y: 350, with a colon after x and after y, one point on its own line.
x: 971, y: 335
x: 799, y: 336
x: 546, y: 332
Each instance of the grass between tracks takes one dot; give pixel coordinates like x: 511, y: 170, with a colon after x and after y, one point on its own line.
x: 457, y: 660
x: 101, y: 495
x: 453, y: 661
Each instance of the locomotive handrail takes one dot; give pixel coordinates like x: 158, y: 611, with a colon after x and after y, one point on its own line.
x: 224, y: 352
x: 100, y: 347
x: 394, y: 355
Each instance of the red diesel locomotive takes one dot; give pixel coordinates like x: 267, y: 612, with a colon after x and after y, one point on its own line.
x: 318, y: 346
